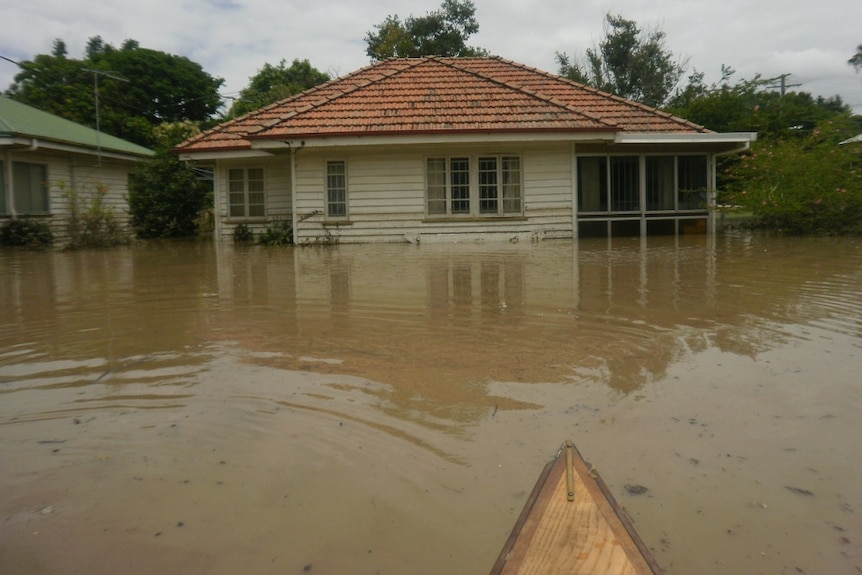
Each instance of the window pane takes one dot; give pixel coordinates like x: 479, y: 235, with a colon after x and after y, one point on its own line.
x: 3, y: 188
x: 592, y: 184
x: 659, y: 183
x: 691, y: 181
x: 511, y: 185
x: 459, y: 172
x: 30, y: 187
x: 336, y: 189
x: 488, y: 185
x: 625, y: 190
x: 436, y: 186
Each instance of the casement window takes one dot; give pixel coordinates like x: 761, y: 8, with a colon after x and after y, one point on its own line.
x: 608, y: 181
x: 246, y: 193
x: 30, y: 188
x: 450, y: 192
x: 336, y: 189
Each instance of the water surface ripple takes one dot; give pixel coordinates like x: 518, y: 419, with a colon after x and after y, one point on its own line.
x: 203, y: 408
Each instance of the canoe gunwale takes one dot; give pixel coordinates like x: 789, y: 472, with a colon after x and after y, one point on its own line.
x: 619, y: 521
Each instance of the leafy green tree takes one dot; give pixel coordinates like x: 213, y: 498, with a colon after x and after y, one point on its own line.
x: 443, y: 32
x: 137, y: 88
x: 856, y: 60
x: 751, y: 105
x: 802, y: 185
x: 274, y: 83
x: 628, y: 62
x: 166, y: 198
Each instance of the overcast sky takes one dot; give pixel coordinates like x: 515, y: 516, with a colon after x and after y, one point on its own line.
x: 233, y: 39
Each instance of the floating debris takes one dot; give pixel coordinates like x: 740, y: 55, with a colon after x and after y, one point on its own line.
x: 636, y: 489
x: 800, y: 491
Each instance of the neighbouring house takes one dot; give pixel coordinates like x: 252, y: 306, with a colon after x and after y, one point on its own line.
x: 44, y: 158
x: 440, y: 148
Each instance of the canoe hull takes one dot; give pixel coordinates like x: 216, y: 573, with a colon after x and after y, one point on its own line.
x: 572, y: 525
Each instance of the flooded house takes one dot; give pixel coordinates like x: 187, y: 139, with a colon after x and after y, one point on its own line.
x: 45, y: 158
x: 454, y: 149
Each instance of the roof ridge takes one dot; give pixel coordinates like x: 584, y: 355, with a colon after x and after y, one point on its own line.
x: 523, y: 90
x: 614, y: 97
x: 384, y: 75
x: 263, y: 109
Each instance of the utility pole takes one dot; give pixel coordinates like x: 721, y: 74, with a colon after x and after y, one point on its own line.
x: 96, y: 74
x: 783, y: 85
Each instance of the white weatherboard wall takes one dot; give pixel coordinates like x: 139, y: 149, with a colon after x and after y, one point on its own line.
x: 84, y: 174
x: 386, y: 196
x: 277, y: 193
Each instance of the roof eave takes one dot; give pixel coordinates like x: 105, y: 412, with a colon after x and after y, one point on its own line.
x: 33, y: 144
x: 430, y: 137
x: 685, y: 138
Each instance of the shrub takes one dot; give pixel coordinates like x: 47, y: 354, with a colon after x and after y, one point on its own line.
x: 92, y: 224
x: 165, y: 198
x: 804, y: 185
x: 279, y: 234
x: 242, y: 234
x: 30, y: 233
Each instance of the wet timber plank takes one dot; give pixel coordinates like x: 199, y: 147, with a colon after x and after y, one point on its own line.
x: 589, y: 535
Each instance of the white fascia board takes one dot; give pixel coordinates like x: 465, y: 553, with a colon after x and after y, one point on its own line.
x: 670, y: 138
x: 223, y: 155
x: 35, y: 144
x: 422, y: 139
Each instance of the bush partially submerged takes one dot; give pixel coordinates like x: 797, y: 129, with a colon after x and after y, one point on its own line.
x: 24, y: 232
x: 165, y: 198
x: 804, y: 185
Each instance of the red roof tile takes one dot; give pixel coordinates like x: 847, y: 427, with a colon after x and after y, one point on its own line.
x: 435, y: 95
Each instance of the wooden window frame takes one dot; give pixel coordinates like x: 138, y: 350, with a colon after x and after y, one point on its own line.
x: 336, y: 188
x: 483, y: 186
x: 247, y: 190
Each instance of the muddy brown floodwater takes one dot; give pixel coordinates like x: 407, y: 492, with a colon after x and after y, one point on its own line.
x: 199, y: 408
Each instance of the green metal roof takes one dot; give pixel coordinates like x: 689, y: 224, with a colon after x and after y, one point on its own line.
x: 21, y: 120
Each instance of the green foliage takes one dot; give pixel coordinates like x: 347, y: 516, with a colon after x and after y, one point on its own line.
x: 801, y: 185
x: 138, y: 88
x: 274, y: 83
x: 279, y: 233
x: 754, y: 105
x: 628, y: 62
x: 92, y: 224
x: 856, y: 60
x: 24, y: 232
x: 166, y: 197
x: 443, y: 32
x: 242, y: 234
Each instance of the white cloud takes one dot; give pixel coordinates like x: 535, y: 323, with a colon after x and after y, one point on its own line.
x: 234, y: 38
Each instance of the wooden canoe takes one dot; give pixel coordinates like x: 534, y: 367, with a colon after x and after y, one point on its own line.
x: 572, y: 525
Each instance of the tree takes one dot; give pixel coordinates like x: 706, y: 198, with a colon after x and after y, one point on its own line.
x: 627, y: 62
x: 136, y: 88
x: 802, y: 185
x: 856, y: 60
x: 274, y: 83
x: 443, y: 32
x: 166, y: 198
x: 752, y: 105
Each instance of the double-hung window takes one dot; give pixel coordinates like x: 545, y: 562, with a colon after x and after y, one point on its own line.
x: 3, y: 209
x: 30, y: 188
x: 450, y: 192
x: 336, y: 189
x: 246, y: 193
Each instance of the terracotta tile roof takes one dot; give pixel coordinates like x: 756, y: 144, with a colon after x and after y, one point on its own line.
x: 434, y: 95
